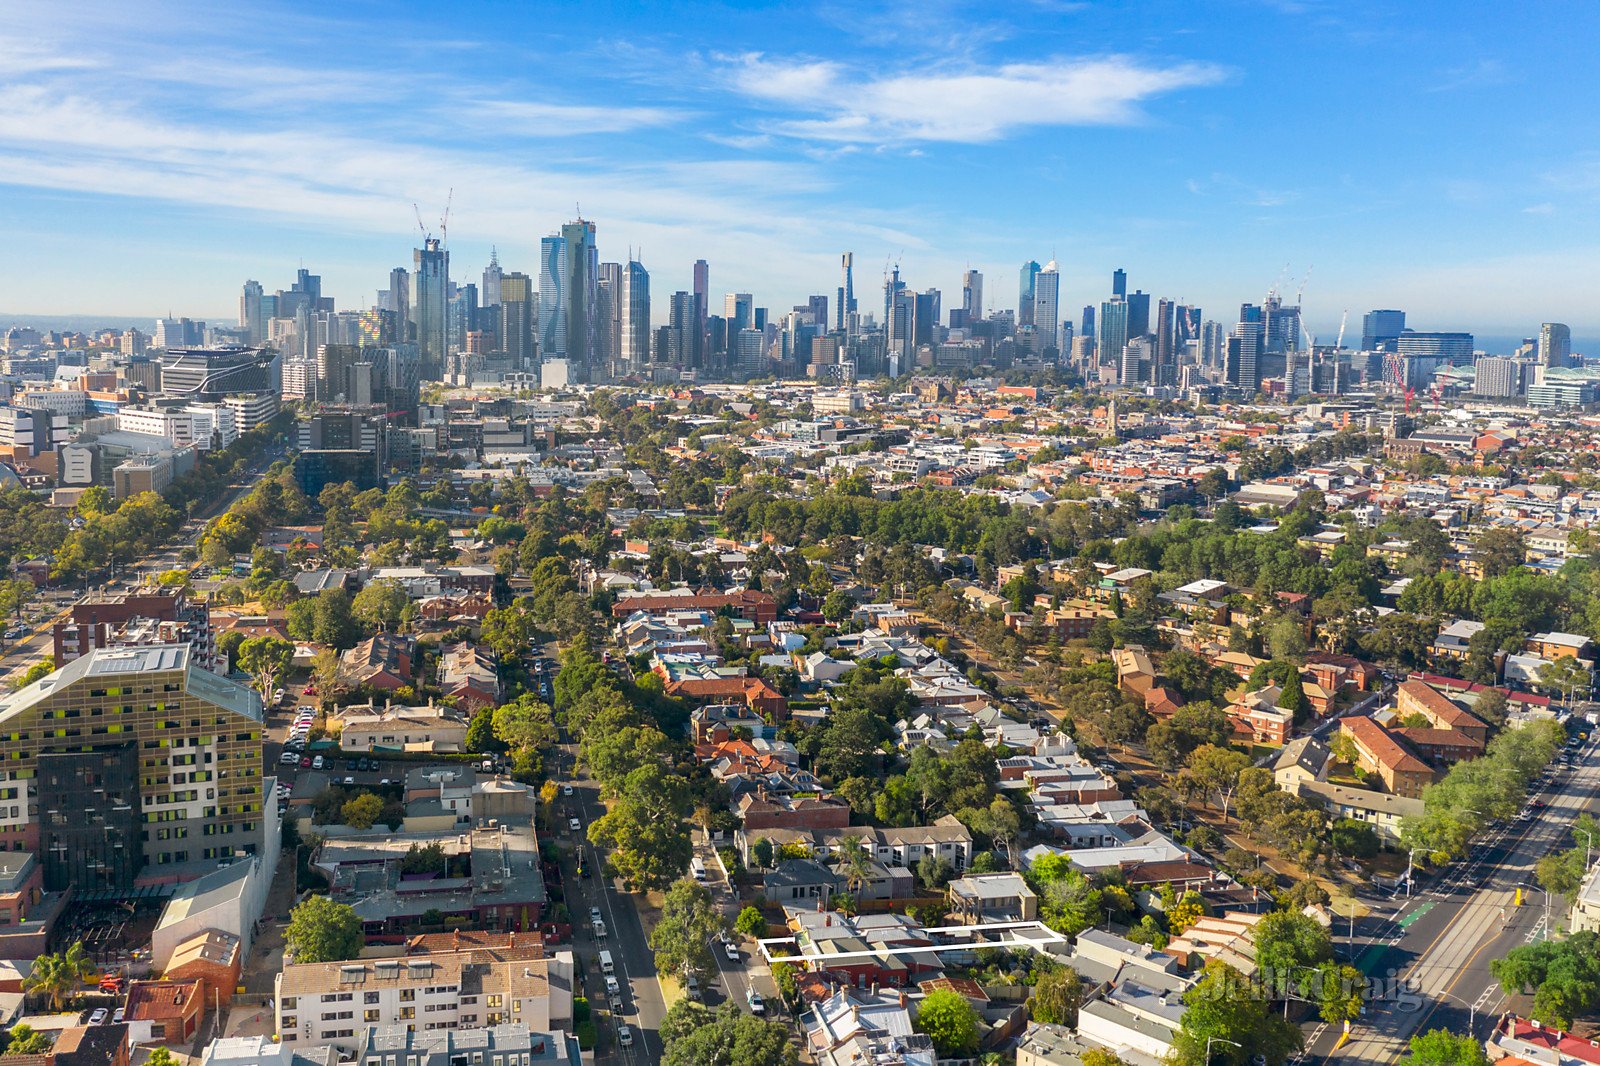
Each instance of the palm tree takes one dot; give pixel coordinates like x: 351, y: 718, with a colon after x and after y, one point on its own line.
x: 59, y: 977
x: 857, y: 864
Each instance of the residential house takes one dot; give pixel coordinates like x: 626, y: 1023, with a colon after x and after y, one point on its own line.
x: 470, y: 674
x: 753, y: 692
x: 382, y: 662
x: 761, y: 810
x: 1454, y: 639
x: 393, y: 727
x: 1257, y: 716
x: 164, y: 1012
x: 982, y: 899
x: 1384, y: 811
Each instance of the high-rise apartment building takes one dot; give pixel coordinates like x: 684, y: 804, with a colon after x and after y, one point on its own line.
x: 683, y: 349
x: 430, y: 286
x: 1047, y: 308
x: 1086, y: 328
x: 251, y: 318
x: 845, y: 306
x: 1138, y: 313
x: 1380, y: 329
x: 635, y: 300
x: 1555, y: 344
x: 1119, y: 282
x: 1165, y: 363
x: 553, y: 282
x: 1244, y: 364
x: 609, y: 312
x: 129, y: 758
x: 1025, y: 283
x: 1498, y: 377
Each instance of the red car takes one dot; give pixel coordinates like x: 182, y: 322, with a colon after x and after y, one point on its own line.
x: 305, y: 762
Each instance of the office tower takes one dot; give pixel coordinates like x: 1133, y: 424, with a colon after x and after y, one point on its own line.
x: 489, y: 293
x: 1138, y: 313
x: 1380, y: 329
x: 738, y: 308
x: 1453, y: 348
x: 1119, y: 282
x: 1047, y: 308
x: 179, y: 333
x: 1213, y: 345
x: 1025, y: 283
x: 518, y: 318
x: 430, y: 280
x: 1245, y: 369
x: 333, y: 367
x: 817, y: 308
x: 211, y: 373
x: 749, y: 351
x: 582, y: 294
x: 1166, y: 352
x: 609, y: 311
x: 845, y: 310
x: 972, y: 295
x: 134, y: 757
x: 683, y: 350
x: 1498, y: 377
x: 250, y: 316
x: 702, y: 303
x: 1186, y: 326
x: 899, y: 318
x: 1555, y: 344
x: 635, y: 350
x: 925, y: 325
x: 1086, y: 330
x: 759, y: 318
x: 463, y: 314
x: 1137, y: 361
x: 397, y: 298
x: 553, y: 283
x: 1113, y: 329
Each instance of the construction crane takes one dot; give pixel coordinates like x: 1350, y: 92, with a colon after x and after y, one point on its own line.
x: 420, y: 225
x: 1343, y: 318
x: 444, y: 220
x: 1305, y: 280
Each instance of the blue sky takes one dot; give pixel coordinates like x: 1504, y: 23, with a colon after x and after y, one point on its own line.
x: 1441, y: 158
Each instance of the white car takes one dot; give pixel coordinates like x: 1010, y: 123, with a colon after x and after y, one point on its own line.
x: 99, y: 1016
x: 730, y: 949
x: 287, y: 758
x: 316, y: 763
x: 574, y: 825
x: 594, y: 914
x: 624, y: 1036
x: 757, y: 1004
x: 566, y: 790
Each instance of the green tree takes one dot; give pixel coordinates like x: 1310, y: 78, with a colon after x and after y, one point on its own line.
x: 362, y: 811
x: 480, y: 734
x: 380, y: 604
x: 266, y: 659
x: 321, y: 930
x: 729, y: 1037
x: 1056, y: 997
x: 524, y: 725
x: 751, y: 923
x: 44, y: 668
x: 1440, y: 1047
x: 333, y: 620
x: 60, y: 976
x: 24, y: 1039
x: 950, y: 1021
x: 1222, y: 1006
x: 681, y: 940
x: 161, y: 1057
x: 1565, y: 677
x: 1099, y: 1056
x: 1355, y: 838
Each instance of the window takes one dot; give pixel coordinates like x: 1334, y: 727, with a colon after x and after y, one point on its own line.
x: 369, y: 997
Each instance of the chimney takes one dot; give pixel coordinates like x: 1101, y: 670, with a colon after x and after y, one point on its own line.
x: 455, y: 938
x: 513, y: 938
x: 905, y: 1001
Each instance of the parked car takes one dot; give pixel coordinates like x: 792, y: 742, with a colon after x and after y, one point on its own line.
x: 287, y: 758
x: 100, y: 1016
x: 624, y: 1036
x: 574, y: 825
x: 566, y: 790
x: 757, y: 1004
x: 305, y: 762
x: 316, y: 763
x: 731, y: 950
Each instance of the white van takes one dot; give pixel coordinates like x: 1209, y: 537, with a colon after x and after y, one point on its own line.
x: 599, y: 929
x: 606, y: 965
x: 613, y: 989
x: 697, y: 869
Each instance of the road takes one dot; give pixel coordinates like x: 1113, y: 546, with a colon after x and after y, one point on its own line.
x: 1440, y: 941
x: 643, y: 1002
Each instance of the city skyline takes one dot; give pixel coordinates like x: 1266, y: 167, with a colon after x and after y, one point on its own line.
x: 242, y: 148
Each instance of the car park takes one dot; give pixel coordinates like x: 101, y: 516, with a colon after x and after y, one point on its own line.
x: 316, y: 763
x: 348, y: 781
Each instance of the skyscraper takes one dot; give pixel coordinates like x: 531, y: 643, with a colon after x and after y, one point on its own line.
x: 925, y: 326
x: 702, y: 312
x: 582, y: 294
x: 489, y: 292
x: 1282, y: 325
x: 609, y: 312
x: 683, y: 350
x: 1086, y: 329
x: 1166, y: 352
x: 518, y: 316
x: 430, y: 283
x: 635, y: 315
x: 1047, y: 308
x: 1113, y: 329
x: 1555, y: 344
x: 972, y: 296
x: 738, y: 308
x: 844, y: 311
x: 1025, y: 283
x: 251, y: 319
x: 1119, y: 282
x: 1245, y: 372
x: 1138, y: 313
x: 1380, y: 329
x: 553, y: 281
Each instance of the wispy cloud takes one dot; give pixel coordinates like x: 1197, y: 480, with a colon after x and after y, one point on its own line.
x: 533, y: 118
x: 1241, y: 192
x: 1480, y: 73
x: 974, y: 106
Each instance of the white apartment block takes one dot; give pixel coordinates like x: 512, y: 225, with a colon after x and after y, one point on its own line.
x: 332, y: 1003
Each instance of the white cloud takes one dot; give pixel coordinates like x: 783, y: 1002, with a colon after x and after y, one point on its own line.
x: 551, y: 120
x: 974, y: 105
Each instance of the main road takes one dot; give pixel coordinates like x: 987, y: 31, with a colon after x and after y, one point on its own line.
x: 1437, y: 943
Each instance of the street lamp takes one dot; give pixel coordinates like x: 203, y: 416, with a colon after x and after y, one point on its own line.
x: 1472, y: 1010
x: 1218, y: 1040
x: 1588, y: 847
